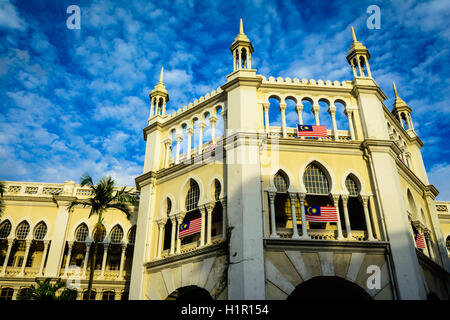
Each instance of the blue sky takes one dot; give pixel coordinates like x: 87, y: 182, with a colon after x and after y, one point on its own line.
x: 75, y: 101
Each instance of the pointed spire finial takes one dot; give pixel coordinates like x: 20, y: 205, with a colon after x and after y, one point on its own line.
x: 161, y: 75
x: 354, y: 35
x: 241, y: 28
x: 395, y: 89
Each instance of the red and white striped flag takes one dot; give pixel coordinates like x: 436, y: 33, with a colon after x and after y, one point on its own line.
x: 190, y: 227
x: 420, y: 240
x: 311, y: 131
x: 321, y: 214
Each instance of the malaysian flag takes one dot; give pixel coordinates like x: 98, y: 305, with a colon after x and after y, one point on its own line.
x: 212, y: 145
x: 190, y: 227
x: 321, y: 214
x: 420, y: 241
x: 311, y: 131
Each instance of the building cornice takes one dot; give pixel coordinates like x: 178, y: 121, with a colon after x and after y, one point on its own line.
x: 367, y: 85
x: 145, y: 179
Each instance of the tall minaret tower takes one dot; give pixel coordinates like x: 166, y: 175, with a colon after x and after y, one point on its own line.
x: 158, y: 98
x: 358, y: 57
x: 402, y: 111
x: 242, y: 50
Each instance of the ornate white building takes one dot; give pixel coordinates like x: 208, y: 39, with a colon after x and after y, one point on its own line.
x: 251, y: 183
x: 225, y: 160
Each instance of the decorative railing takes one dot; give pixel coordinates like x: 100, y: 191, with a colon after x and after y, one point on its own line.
x: 36, y: 189
x: 190, y: 247
x: 15, y: 272
x: 107, y: 275
x: 318, y: 234
x: 277, y: 132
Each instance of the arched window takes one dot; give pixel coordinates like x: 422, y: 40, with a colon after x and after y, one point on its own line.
x: 132, y: 235
x: 108, y: 295
x: 447, y: 243
x: 81, y: 233
x: 5, y: 229
x: 316, y: 182
x: 282, y: 201
x: 6, y: 293
x: 352, y: 186
x: 22, y: 230
x: 91, y: 296
x: 217, y: 190
x: 411, y: 205
x: 40, y: 231
x: 281, y: 182
x: 116, y: 234
x: 168, y: 226
x: 192, y: 196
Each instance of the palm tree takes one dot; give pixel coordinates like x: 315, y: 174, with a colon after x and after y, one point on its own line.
x: 45, y: 290
x: 105, y: 197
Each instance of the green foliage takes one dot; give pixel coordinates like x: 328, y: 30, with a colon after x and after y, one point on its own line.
x: 45, y: 290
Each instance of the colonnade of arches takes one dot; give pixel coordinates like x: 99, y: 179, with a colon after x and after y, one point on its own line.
x: 212, y: 214
x: 189, y: 138
x: 287, y: 207
x: 20, y: 248
x: 289, y: 110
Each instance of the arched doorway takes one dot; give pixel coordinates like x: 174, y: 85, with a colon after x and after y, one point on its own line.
x: 190, y: 293
x: 328, y: 288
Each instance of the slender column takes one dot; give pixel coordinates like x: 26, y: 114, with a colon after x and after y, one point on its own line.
x: 25, y: 258
x: 69, y: 256
x: 172, y: 236
x: 180, y: 216
x: 273, y: 227
x: 213, y: 121
x: 410, y: 122
x: 266, y: 107
x: 332, y: 112
x: 368, y: 67
x: 209, y: 209
x: 365, y: 201
x: 105, y: 256
x: 122, y: 261
x: 302, y: 197
x: 161, y: 224
x: 349, y: 114
x: 225, y: 124
x: 239, y: 58
x: 336, y: 204
x: 44, y: 255
x: 283, y: 118
x: 347, y: 220
x: 189, y: 131
x: 167, y: 143
x: 224, y: 217
x: 152, y: 108
x: 86, y: 258
x: 8, y: 253
x: 164, y: 107
x: 299, y: 109
x: 202, y: 231
x: 293, y: 196
x: 201, y: 126
x: 178, y: 137
x: 315, y: 109
x: 354, y: 69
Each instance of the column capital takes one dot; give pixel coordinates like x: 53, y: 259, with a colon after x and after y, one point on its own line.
x: 349, y: 110
x: 201, y: 124
x: 299, y: 107
x: 190, y: 130
x: 70, y: 244
x: 180, y: 216
x: 167, y: 141
x: 282, y: 106
x: 213, y: 119
x: 173, y: 218
x: 364, y: 199
x: 315, y: 108
x: 292, y: 195
x: 266, y: 105
x: 123, y: 245
x: 335, y: 198
x: 106, y: 245
x: 272, y: 195
x: 344, y: 198
x: 88, y: 244
x: 161, y: 222
x: 332, y: 110
x: 178, y: 137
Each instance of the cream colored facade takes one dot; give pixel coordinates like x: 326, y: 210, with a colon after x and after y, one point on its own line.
x: 247, y: 249
x: 443, y: 210
x: 47, y: 236
x: 250, y: 184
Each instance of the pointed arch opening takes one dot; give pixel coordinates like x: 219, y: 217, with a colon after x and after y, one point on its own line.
x: 192, y: 210
x: 190, y: 293
x: 354, y: 205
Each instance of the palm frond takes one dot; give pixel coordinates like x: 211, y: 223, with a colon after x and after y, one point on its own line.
x: 86, y: 180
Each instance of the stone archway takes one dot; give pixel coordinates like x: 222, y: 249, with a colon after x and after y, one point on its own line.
x: 328, y: 288
x: 190, y: 293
